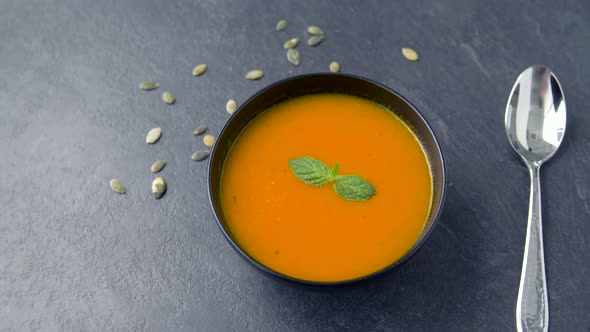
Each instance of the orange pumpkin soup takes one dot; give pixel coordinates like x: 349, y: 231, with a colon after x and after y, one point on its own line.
x: 310, y: 232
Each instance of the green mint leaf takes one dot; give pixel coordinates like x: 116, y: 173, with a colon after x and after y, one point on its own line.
x: 354, y: 188
x: 316, y: 173
x: 334, y: 172
x: 310, y: 171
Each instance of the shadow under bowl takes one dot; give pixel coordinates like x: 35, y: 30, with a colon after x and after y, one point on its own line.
x: 326, y: 83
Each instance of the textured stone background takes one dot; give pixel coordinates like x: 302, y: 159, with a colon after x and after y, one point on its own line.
x: 76, y: 257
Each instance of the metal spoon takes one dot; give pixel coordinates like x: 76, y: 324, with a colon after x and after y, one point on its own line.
x: 535, y: 125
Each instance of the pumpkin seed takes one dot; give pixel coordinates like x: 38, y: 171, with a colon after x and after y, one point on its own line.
x: 334, y: 67
x: 153, y: 135
x: 315, y: 30
x: 281, y: 25
x: 200, y: 130
x: 158, y: 166
x: 168, y: 98
x: 293, y: 42
x: 208, y: 140
x: 158, y: 187
x: 148, y: 85
x: 409, y: 54
x: 117, y: 186
x: 231, y: 106
x: 199, y: 70
x: 200, y: 155
x: 315, y: 40
x: 254, y: 74
x: 293, y: 56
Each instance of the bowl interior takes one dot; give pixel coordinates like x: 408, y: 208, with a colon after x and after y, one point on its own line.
x: 321, y: 83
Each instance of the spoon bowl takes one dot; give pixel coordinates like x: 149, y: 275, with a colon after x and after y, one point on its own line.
x: 536, y: 115
x: 535, y: 126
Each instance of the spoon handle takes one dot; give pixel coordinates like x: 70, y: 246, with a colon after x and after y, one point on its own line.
x: 532, y: 308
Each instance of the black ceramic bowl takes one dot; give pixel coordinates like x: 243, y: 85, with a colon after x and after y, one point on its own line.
x: 317, y: 83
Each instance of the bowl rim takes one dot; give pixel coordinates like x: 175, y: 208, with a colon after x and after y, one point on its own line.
x: 415, y: 247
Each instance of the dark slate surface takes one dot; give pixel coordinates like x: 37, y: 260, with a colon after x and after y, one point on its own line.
x: 76, y: 257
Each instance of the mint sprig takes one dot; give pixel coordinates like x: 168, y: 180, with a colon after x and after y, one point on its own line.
x: 316, y: 173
